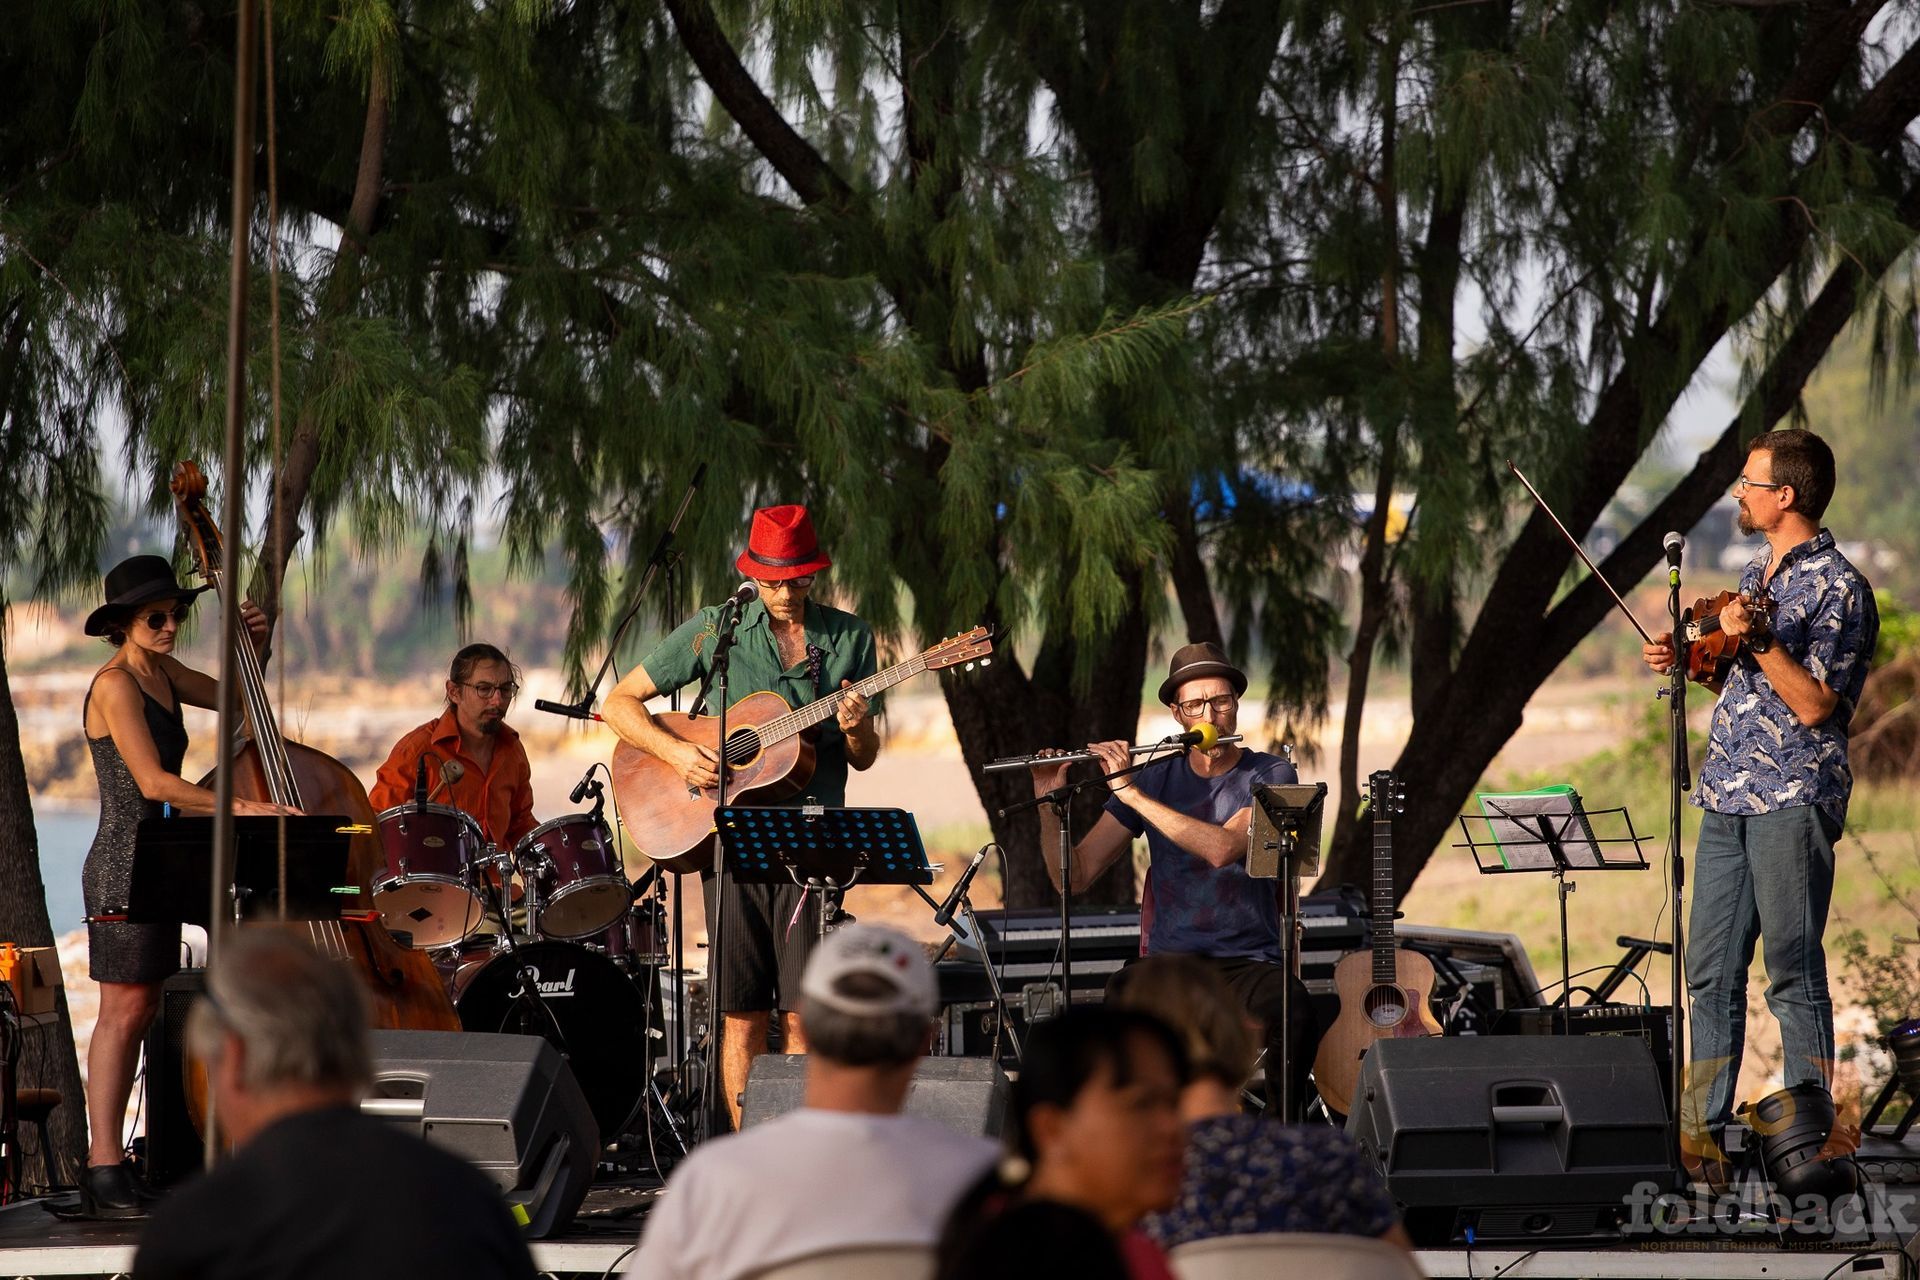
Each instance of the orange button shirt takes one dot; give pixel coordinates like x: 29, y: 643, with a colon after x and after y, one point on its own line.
x: 499, y: 797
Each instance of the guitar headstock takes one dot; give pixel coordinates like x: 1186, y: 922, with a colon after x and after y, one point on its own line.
x: 966, y: 648
x: 1386, y: 794
x: 189, y: 487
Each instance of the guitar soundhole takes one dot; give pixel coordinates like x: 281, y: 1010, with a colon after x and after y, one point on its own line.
x: 743, y: 746
x: 1386, y: 1006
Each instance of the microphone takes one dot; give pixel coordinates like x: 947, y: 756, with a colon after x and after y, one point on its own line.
x: 1674, y: 544
x: 743, y: 595
x: 571, y: 710
x: 450, y: 772
x: 1202, y: 735
x: 944, y: 915
x: 580, y: 787
x: 420, y: 782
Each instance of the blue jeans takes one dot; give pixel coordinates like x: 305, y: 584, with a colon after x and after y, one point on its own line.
x: 1766, y: 876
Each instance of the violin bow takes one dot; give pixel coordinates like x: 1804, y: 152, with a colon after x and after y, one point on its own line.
x: 1579, y: 551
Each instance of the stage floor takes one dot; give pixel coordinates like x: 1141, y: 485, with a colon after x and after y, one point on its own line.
x: 35, y: 1242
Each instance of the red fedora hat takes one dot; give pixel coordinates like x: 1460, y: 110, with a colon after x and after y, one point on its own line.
x: 782, y: 545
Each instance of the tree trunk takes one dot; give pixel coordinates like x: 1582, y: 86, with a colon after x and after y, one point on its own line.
x: 51, y: 1062
x: 1004, y: 711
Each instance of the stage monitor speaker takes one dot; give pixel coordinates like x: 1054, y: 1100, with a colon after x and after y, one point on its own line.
x: 968, y: 1095
x: 173, y: 1149
x: 1541, y: 1140
x: 507, y: 1104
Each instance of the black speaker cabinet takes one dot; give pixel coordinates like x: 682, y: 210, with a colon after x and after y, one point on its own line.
x: 173, y: 1149
x: 507, y: 1104
x: 1536, y: 1139
x: 968, y: 1095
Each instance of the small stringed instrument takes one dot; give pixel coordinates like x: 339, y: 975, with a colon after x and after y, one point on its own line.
x: 1710, y: 652
x: 1384, y: 991
x: 768, y: 753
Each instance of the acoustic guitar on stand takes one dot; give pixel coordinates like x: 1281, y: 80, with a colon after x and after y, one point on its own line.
x: 1384, y: 991
x: 769, y: 755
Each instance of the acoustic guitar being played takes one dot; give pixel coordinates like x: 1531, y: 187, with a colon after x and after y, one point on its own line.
x: 1384, y: 991
x: 769, y: 755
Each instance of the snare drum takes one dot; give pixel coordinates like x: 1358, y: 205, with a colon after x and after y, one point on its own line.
x: 430, y: 888
x: 576, y: 864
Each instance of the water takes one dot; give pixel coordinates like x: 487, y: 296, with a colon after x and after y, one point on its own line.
x: 64, y: 836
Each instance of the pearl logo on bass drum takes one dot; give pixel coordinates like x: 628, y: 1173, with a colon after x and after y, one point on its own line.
x: 552, y: 988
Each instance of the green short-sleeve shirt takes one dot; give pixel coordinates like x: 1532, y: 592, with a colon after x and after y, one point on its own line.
x: 845, y: 646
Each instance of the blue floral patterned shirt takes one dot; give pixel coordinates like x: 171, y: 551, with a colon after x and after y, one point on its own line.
x: 1760, y: 758
x: 1246, y: 1175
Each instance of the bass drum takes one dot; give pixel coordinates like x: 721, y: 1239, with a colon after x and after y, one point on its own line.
x: 582, y: 1004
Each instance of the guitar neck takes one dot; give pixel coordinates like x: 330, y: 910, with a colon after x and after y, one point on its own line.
x: 1384, y: 969
x: 819, y: 711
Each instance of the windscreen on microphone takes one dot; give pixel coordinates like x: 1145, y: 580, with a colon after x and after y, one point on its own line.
x: 1203, y: 735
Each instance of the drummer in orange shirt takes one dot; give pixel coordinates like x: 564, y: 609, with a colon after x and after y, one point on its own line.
x: 495, y: 783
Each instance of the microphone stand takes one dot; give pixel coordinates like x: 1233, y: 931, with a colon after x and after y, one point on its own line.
x: 715, y: 685
x: 661, y: 558
x: 1680, y: 780
x: 1061, y: 798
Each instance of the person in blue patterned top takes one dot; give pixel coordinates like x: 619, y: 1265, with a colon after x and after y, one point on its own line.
x: 1775, y: 784
x: 1199, y: 899
x: 1246, y: 1175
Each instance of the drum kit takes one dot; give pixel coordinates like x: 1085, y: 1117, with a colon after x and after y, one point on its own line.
x: 547, y: 938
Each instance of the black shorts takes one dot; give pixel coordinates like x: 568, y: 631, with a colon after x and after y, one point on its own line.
x: 768, y: 939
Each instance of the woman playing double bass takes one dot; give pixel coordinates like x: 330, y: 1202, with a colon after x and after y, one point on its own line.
x: 138, y: 740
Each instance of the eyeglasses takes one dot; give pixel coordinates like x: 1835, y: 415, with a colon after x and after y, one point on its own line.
x: 160, y: 617
x: 797, y: 584
x: 1194, y: 706
x: 1743, y: 484
x: 486, y: 692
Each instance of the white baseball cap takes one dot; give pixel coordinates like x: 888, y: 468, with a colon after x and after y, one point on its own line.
x: 882, y: 953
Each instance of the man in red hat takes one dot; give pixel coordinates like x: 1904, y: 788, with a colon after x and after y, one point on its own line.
x: 802, y: 650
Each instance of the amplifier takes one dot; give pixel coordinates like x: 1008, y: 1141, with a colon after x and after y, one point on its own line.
x: 1651, y: 1025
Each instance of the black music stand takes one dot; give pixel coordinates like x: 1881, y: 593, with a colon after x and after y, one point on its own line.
x: 173, y: 869
x: 1283, y: 843
x: 1548, y: 830
x: 824, y: 851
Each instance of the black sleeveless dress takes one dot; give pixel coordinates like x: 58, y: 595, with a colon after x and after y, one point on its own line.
x: 124, y: 952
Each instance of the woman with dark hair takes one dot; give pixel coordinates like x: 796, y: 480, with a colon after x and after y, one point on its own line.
x: 1094, y: 1125
x: 138, y: 740
x: 1247, y: 1174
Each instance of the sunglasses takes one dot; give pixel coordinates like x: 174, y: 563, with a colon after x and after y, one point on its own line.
x: 159, y: 617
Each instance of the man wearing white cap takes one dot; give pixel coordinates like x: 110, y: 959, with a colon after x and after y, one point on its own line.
x: 846, y: 1168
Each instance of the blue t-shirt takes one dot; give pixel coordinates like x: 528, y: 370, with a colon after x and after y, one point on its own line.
x: 1200, y: 909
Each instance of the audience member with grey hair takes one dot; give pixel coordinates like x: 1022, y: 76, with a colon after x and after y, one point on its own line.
x: 313, y: 1188
x: 847, y: 1168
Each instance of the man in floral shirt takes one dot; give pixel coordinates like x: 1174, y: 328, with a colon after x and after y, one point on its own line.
x: 1775, y: 783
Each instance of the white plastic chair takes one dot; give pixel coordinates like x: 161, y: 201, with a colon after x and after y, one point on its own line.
x: 1282, y: 1254
x: 856, y: 1262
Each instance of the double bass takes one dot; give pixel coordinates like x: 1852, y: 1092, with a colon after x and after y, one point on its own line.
x: 405, y: 989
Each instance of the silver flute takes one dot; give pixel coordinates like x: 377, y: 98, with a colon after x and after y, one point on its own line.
x: 1008, y: 764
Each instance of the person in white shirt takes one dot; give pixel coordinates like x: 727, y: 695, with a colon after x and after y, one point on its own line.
x: 846, y: 1168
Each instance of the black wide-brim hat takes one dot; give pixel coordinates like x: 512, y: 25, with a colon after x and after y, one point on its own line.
x: 133, y: 582
x: 1197, y: 662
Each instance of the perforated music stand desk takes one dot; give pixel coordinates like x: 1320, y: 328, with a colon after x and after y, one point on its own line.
x: 825, y: 851
x: 173, y: 869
